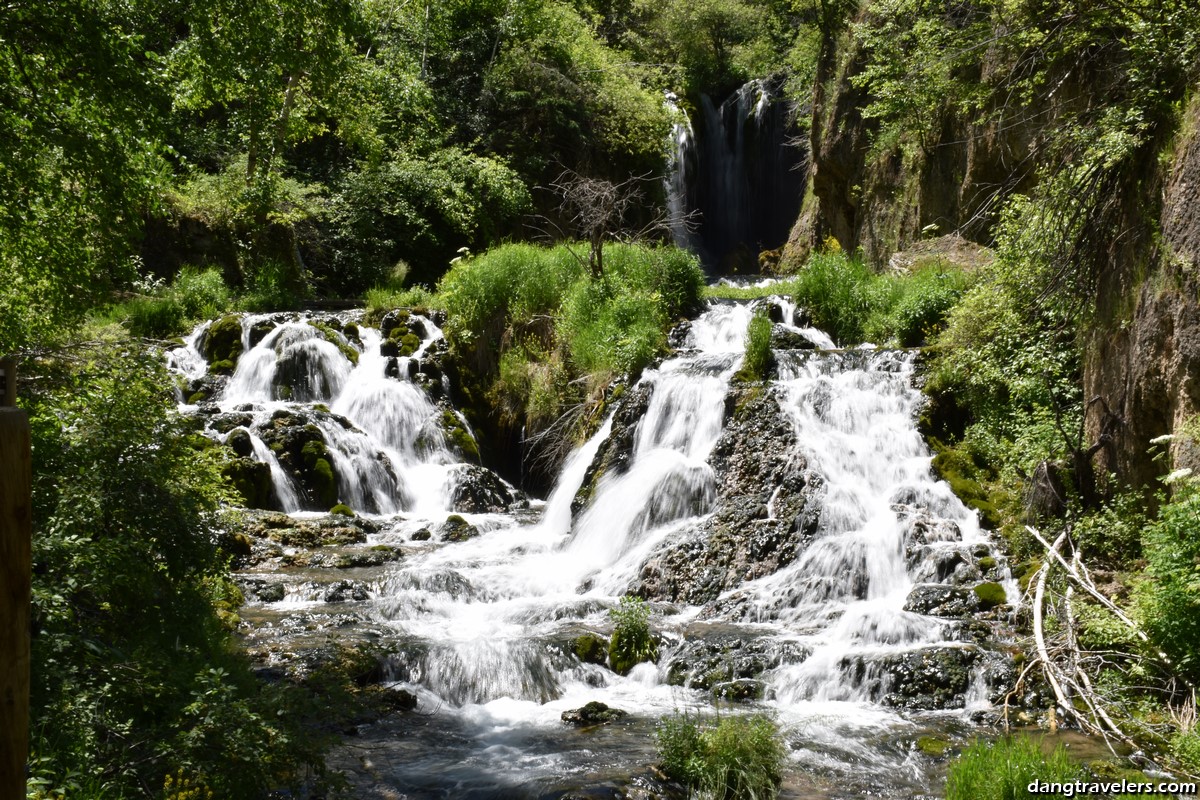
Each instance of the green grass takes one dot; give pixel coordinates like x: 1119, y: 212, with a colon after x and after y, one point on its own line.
x: 631, y: 642
x: 735, y: 758
x: 853, y: 304
x: 1002, y: 769
x: 757, y: 363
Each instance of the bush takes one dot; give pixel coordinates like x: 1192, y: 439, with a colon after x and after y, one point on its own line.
x: 1168, y: 602
x: 739, y: 758
x: 631, y: 642
x: 152, y: 317
x: 136, y: 673
x: 1001, y: 770
x: 758, y: 360
x: 202, y: 294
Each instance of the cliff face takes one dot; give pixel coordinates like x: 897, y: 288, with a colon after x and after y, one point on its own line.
x: 1142, y: 336
x: 1142, y: 368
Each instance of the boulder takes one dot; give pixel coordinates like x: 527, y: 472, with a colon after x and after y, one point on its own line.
x: 593, y: 713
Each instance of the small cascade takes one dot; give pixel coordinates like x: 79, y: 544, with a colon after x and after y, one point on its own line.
x: 332, y: 417
x: 289, y: 501
x: 737, y: 177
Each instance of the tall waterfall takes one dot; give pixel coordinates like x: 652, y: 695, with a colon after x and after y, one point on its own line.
x: 737, y: 174
x: 483, y: 630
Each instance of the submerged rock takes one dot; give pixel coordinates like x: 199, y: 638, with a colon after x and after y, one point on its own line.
x: 478, y: 491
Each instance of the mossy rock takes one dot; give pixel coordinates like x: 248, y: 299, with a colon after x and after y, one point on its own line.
x: 341, y: 509
x: 409, y: 344
x: 986, y: 564
x: 933, y: 746
x: 958, y: 471
x: 459, y: 438
x: 252, y: 480
x: 223, y: 341
x: 590, y: 648
x: 223, y: 367
x: 457, y: 529
x: 624, y: 655
x: 593, y: 713
x: 198, y: 397
x: 331, y: 335
x: 322, y: 482
x: 990, y: 594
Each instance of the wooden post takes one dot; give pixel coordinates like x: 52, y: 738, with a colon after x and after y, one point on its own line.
x: 15, y: 555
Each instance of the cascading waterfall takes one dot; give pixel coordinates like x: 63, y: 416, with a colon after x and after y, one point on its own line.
x: 482, y: 628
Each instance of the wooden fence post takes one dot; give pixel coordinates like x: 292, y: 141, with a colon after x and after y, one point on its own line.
x: 15, y: 555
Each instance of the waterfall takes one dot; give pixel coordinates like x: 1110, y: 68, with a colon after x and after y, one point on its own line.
x: 483, y: 628
x: 381, y: 431
x: 737, y: 174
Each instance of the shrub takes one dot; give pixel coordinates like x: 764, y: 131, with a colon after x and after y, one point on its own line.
x: 758, y: 360
x: 153, y: 317
x: 631, y: 642
x: 202, y: 294
x: 1168, y: 602
x: 739, y: 758
x: 1001, y: 770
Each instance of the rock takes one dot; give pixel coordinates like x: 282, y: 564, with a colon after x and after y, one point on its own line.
x: 270, y: 593
x: 786, y: 339
x: 990, y: 595
x: 423, y: 535
x: 457, y: 529
x: 740, y: 690
x: 252, y: 480
x: 239, y: 440
x: 222, y: 342
x: 478, y: 491
x: 928, y: 679
x: 590, y: 648
x: 940, y: 600
x: 594, y: 713
x: 343, y: 591
x: 342, y: 510
x: 714, y: 659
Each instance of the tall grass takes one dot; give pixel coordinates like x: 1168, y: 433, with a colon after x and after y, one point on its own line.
x: 195, y: 295
x: 757, y: 363
x: 853, y: 304
x: 737, y: 758
x: 1002, y: 769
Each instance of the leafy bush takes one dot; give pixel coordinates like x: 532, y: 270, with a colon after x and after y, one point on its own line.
x: 202, y: 294
x: 135, y: 673
x: 1001, y: 770
x: 739, y: 758
x: 1168, y: 601
x: 631, y: 642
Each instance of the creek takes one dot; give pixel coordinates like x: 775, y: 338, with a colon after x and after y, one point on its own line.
x: 800, y: 558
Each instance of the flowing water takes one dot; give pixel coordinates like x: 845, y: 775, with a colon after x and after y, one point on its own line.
x: 481, y: 630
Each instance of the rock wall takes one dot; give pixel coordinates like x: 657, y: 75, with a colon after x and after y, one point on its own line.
x: 1142, y: 369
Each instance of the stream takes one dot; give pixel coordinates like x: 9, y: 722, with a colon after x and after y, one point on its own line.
x: 844, y: 608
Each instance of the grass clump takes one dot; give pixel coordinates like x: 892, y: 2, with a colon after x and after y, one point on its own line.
x: 738, y: 758
x: 161, y: 311
x: 1001, y: 770
x: 631, y: 642
x: 756, y: 366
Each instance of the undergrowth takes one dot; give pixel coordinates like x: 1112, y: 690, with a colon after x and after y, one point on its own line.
x: 733, y: 758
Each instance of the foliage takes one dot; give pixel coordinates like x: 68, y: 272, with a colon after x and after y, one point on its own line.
x: 166, y: 311
x: 135, y: 675
x: 1002, y: 769
x: 852, y: 304
x: 738, y: 758
x: 757, y: 362
x: 518, y: 306
x: 631, y: 642
x: 1168, y: 600
x: 420, y: 209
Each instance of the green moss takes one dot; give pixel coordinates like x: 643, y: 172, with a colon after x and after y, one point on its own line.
x: 933, y: 746
x: 990, y: 594
x: 331, y: 335
x: 590, y: 648
x: 986, y: 564
x: 409, y: 344
x: 323, y: 482
x: 197, y: 398
x: 957, y: 470
x: 341, y: 509
x: 224, y: 367
x: 223, y: 340
x: 458, y: 437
